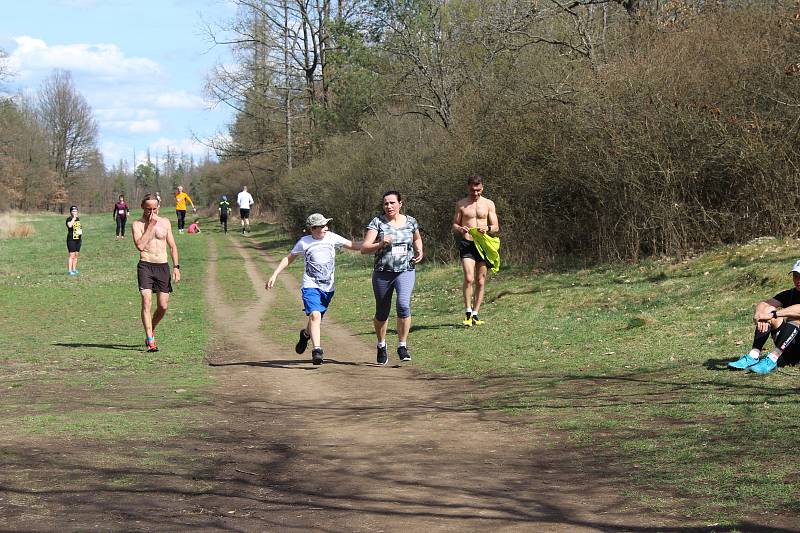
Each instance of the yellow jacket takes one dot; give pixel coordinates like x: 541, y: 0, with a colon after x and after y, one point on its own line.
x: 488, y: 247
x: 180, y: 201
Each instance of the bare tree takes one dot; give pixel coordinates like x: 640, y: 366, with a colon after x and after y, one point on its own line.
x: 282, y: 74
x: 4, y: 71
x: 70, y: 128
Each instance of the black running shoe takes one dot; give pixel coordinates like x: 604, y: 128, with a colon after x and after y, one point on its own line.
x: 383, y: 358
x: 402, y: 353
x: 316, y: 356
x: 302, y: 344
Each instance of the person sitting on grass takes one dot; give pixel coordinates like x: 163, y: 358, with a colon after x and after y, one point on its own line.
x: 777, y: 317
x: 319, y: 255
x: 194, y: 227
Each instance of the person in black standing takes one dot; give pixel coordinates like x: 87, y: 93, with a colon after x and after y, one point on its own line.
x: 74, y: 236
x: 224, y: 209
x: 121, y: 213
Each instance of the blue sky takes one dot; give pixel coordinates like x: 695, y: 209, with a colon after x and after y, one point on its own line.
x: 140, y: 64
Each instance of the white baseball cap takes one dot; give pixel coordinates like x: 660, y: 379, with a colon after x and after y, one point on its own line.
x: 796, y: 267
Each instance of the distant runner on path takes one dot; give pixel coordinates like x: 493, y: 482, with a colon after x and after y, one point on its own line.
x: 224, y: 208
x: 245, y: 201
x: 319, y: 255
x: 121, y: 213
x: 151, y: 235
x: 180, y: 207
x: 477, y: 212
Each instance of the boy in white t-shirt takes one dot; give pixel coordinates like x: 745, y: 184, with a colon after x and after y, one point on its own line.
x: 319, y: 255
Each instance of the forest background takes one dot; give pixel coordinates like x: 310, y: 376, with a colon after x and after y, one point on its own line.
x: 606, y: 129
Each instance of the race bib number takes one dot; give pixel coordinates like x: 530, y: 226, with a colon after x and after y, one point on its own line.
x: 121, y: 211
x: 399, y: 250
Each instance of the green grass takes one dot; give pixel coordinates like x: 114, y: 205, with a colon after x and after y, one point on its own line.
x: 231, y: 272
x: 73, y: 345
x: 625, y: 362
x: 628, y: 360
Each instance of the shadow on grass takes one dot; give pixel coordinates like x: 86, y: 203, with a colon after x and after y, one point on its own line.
x: 136, y: 347
x: 446, y: 325
x: 719, y: 364
x: 285, y: 363
x: 293, y: 364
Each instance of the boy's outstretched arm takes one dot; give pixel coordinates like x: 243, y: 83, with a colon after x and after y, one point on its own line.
x: 286, y: 261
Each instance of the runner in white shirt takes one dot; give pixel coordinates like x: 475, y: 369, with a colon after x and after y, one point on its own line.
x: 245, y: 201
x: 319, y: 255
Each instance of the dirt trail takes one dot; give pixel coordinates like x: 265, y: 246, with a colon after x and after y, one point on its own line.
x: 282, y: 445
x: 355, y: 446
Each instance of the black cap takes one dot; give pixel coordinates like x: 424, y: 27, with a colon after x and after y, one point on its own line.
x: 73, y: 208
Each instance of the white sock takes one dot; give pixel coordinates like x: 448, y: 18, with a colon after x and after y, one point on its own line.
x: 382, y: 344
x: 468, y: 310
x: 774, y: 357
x: 401, y: 343
x: 317, y: 347
x: 755, y: 353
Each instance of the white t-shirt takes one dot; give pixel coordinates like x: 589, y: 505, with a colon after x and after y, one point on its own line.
x: 244, y: 200
x: 319, y: 257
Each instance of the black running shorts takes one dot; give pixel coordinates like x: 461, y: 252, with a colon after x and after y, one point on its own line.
x: 468, y: 250
x: 154, y: 276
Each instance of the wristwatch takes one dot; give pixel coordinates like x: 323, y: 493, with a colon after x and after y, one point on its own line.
x: 176, y: 266
x: 774, y: 313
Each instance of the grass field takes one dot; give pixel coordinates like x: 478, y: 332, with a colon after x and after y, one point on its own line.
x: 73, y: 360
x: 627, y: 361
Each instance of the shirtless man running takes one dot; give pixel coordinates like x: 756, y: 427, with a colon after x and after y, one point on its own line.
x: 478, y: 212
x: 151, y: 235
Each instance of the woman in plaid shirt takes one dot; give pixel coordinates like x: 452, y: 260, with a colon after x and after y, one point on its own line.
x: 395, y: 240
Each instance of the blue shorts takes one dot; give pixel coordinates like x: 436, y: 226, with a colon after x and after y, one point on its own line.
x: 316, y: 300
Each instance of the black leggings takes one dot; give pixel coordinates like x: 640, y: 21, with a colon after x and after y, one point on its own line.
x: 181, y: 218
x: 121, y: 226
x: 224, y: 221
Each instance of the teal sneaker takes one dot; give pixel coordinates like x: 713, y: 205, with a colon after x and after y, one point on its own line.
x: 764, y: 366
x: 743, y: 362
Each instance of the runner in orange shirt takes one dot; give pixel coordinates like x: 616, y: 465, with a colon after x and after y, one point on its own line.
x: 180, y: 207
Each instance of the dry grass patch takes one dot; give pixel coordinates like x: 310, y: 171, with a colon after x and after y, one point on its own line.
x: 11, y: 227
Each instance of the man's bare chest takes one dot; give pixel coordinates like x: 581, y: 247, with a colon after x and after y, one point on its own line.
x: 476, y: 210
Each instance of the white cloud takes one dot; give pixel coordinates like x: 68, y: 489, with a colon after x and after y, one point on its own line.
x: 123, y: 113
x: 187, y: 146
x: 133, y: 126
x: 114, y: 152
x: 179, y: 100
x: 79, y: 3
x: 34, y: 56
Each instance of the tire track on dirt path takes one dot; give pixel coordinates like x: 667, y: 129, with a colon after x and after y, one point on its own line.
x: 351, y: 446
